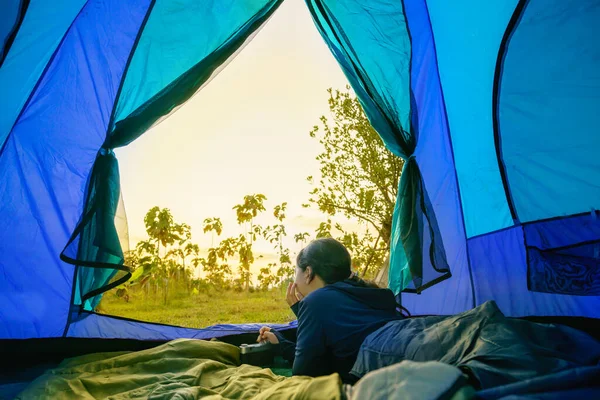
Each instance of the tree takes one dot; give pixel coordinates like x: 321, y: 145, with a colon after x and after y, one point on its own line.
x: 213, y: 225
x: 266, y: 278
x: 216, y: 268
x: 177, y: 246
x: 275, y: 235
x: 301, y: 238
x: 150, y: 262
x: 359, y: 176
x: 184, y: 249
x: 162, y: 228
x: 324, y: 230
x: 246, y: 212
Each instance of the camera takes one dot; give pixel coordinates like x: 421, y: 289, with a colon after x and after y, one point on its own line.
x: 259, y: 354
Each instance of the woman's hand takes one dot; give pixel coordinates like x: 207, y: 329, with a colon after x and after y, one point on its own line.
x: 265, y: 334
x: 293, y: 295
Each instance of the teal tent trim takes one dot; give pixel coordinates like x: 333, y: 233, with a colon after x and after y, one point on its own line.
x: 186, y: 85
x: 378, y: 69
x: 99, y: 252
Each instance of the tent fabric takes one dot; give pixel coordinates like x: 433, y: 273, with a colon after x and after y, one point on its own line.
x: 87, y: 324
x: 547, y: 109
x: 46, y: 162
x: 562, y: 255
x: 467, y: 60
x: 491, y: 104
x: 10, y: 19
x: 182, y: 44
x: 40, y: 33
x: 374, y: 50
x: 95, y: 246
x: 437, y: 168
x: 508, y: 287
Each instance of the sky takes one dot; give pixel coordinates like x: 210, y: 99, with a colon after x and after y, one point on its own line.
x: 246, y: 132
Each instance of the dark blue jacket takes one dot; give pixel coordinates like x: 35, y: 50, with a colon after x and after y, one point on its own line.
x: 332, y: 323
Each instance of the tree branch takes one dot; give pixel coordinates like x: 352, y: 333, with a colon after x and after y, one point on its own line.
x: 359, y: 214
x: 372, y: 255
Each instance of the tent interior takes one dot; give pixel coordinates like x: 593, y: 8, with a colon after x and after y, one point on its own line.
x: 495, y: 243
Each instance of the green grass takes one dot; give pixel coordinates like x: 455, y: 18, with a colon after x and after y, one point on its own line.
x: 201, y: 310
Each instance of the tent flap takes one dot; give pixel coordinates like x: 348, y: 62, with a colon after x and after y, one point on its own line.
x: 95, y: 246
x: 371, y: 41
x: 181, y: 46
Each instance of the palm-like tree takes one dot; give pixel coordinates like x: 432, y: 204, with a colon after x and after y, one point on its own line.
x: 246, y: 212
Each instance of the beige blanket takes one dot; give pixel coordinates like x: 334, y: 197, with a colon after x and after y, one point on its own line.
x: 180, y: 369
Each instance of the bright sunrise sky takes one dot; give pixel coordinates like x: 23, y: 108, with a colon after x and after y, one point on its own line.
x: 246, y: 132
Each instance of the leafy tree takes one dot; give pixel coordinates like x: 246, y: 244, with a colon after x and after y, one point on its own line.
x: 180, y: 254
x: 301, y: 238
x: 246, y: 259
x: 215, y: 265
x: 266, y: 278
x: 358, y: 175
x: 275, y: 235
x: 213, y: 225
x: 162, y: 228
x: 216, y: 268
x: 246, y: 212
x: 324, y: 229
x: 175, y: 241
x: 150, y: 262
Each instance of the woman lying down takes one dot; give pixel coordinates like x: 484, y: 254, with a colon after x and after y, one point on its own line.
x: 336, y: 311
x: 352, y: 327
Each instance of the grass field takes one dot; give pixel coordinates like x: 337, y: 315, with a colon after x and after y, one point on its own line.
x: 203, y: 309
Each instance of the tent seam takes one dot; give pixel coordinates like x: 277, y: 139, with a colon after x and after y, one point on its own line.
x: 510, y: 28
x: 449, y: 136
x: 126, y: 70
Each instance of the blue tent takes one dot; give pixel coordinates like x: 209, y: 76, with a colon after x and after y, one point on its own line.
x: 492, y: 104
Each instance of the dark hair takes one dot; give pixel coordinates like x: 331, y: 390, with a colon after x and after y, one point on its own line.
x: 330, y: 260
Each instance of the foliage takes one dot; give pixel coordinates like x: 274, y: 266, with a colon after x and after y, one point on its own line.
x: 156, y: 268
x: 277, y: 274
x: 246, y: 212
x: 359, y: 177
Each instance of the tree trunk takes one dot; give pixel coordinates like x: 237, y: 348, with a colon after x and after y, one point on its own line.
x: 368, y: 263
x: 247, y: 268
x: 386, y: 232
